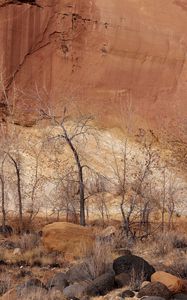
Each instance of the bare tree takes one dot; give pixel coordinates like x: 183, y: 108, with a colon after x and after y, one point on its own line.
x: 2, y: 180
x: 17, y: 165
x: 133, y: 183
x: 66, y: 195
x: 74, y: 135
x: 120, y: 170
x: 96, y: 190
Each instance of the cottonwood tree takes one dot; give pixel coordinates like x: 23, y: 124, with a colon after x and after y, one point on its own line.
x: 96, y: 189
x: 11, y: 159
x: 66, y: 193
x: 75, y: 135
x: 2, y: 181
x: 121, y: 179
x: 35, y: 184
x: 172, y: 191
x: 15, y: 160
x: 13, y: 163
x: 170, y: 194
x: 133, y: 181
x: 121, y: 168
x: 145, y: 180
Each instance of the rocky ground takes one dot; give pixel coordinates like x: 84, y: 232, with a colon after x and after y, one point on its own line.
x: 104, y: 270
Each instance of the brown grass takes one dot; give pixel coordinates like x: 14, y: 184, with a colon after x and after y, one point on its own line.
x: 100, y: 259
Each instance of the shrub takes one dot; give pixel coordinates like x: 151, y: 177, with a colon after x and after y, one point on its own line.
x: 29, y: 241
x: 169, y: 241
x: 179, y: 267
x: 100, y: 260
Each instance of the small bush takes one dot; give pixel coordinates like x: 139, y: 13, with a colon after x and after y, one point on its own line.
x: 29, y: 241
x: 5, y: 284
x: 179, y: 267
x: 136, y: 281
x: 100, y: 260
x: 169, y: 241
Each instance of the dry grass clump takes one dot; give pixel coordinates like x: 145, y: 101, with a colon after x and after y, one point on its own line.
x: 166, y: 242
x: 29, y: 241
x: 136, y: 281
x: 100, y: 259
x: 37, y: 257
x: 32, y: 257
x: 40, y: 295
x: 178, y: 265
x: 121, y: 241
x: 5, y: 283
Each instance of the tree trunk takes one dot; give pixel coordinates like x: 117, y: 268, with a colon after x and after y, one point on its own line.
x: 80, y: 175
x: 82, y: 200
x: 163, y: 201
x: 3, y: 201
x: 19, y: 200
x: 16, y: 164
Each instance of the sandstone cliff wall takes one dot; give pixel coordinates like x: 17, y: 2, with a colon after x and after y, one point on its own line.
x: 111, y: 58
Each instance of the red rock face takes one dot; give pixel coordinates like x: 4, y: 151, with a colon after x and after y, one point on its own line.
x: 109, y: 58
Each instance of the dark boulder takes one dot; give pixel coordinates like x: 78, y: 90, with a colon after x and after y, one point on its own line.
x: 155, y: 289
x: 133, y: 264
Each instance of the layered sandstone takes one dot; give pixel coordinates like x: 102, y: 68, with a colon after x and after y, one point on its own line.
x: 111, y: 58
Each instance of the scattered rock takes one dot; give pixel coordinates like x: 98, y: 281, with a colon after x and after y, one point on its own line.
x: 122, y: 280
x: 59, y: 281
x: 68, y: 238
x: 101, y: 285
x: 173, y: 283
x: 140, y: 268
x: 155, y: 289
